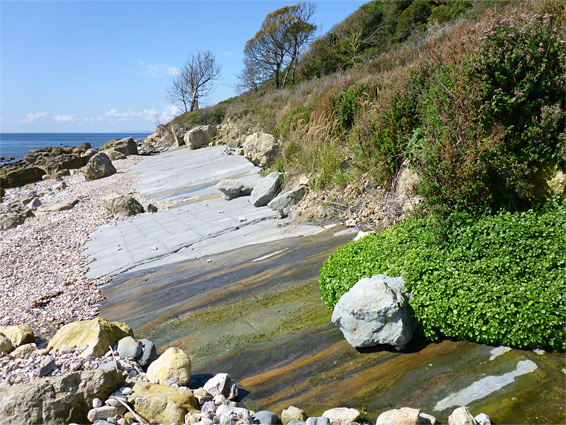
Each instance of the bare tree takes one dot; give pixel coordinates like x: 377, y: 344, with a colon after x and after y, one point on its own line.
x: 194, y: 81
x: 279, y: 42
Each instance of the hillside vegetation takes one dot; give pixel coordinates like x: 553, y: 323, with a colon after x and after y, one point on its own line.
x: 470, y: 96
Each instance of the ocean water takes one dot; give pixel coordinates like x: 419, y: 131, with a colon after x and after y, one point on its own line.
x: 19, y: 144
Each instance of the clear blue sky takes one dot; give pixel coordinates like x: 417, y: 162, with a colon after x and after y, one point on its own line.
x: 98, y: 66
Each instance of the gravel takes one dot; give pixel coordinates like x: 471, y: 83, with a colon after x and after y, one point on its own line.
x: 42, y: 271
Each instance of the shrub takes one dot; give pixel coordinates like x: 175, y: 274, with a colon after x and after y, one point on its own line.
x: 498, y: 280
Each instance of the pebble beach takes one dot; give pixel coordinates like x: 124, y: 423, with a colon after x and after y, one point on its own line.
x: 41, y: 264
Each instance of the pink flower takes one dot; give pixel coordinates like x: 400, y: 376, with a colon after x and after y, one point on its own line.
x: 492, y: 33
x: 519, y: 94
x: 540, y: 49
x: 510, y: 35
x: 562, y: 41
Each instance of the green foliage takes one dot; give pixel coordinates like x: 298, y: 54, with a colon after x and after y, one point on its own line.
x: 498, y: 280
x: 347, y: 103
x: 213, y: 115
x: 489, y: 121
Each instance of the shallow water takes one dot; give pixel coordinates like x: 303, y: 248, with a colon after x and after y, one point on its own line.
x: 256, y: 313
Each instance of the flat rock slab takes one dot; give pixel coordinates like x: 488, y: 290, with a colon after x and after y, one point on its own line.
x: 200, y: 224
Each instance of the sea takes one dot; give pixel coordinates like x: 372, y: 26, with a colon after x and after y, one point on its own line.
x: 17, y: 145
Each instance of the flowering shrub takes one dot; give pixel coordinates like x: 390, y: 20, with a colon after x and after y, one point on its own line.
x: 490, y: 120
x: 497, y: 280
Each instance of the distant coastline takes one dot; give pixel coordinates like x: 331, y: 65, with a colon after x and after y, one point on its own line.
x: 17, y: 145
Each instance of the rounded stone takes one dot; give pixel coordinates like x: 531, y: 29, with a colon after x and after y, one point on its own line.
x: 129, y: 347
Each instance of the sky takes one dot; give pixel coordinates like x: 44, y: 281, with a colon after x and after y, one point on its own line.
x: 105, y: 66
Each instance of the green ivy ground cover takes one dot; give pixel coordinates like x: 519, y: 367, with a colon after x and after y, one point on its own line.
x: 496, y: 280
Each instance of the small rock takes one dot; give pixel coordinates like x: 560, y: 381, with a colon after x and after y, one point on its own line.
x: 104, y: 412
x: 318, y: 421
x: 223, y: 384
x: 34, y: 204
x: 208, y: 407
x: 265, y: 190
x: 59, y: 206
x: 342, y: 415
x: 59, y: 186
x: 22, y: 350
x: 149, y: 353
x: 121, y: 205
x: 18, y: 334
x: 172, y: 363
x: 5, y: 344
x: 242, y: 219
x: 47, y: 368
x: 125, y: 391
x: 403, y: 416
x: 96, y: 403
x: 151, y: 208
x: 129, y: 347
x: 265, y: 417
x: 461, y: 416
x: 292, y: 413
x: 483, y: 419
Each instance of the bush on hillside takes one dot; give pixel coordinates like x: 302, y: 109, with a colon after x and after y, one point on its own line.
x: 498, y: 280
x: 491, y: 118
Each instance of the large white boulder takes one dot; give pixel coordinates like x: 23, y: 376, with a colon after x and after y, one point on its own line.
x: 261, y: 148
x: 199, y: 136
x: 374, y: 311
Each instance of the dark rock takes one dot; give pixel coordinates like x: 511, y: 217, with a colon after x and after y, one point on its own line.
x: 21, y: 177
x: 151, y: 208
x: 63, y: 162
x: 47, y: 368
x: 283, y: 202
x: 149, y: 353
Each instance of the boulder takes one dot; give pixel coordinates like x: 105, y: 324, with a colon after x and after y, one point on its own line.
x: 265, y: 189
x: 283, y: 202
x: 98, y: 166
x: 57, y: 175
x: 56, y: 400
x: 341, y: 415
x: 59, y: 206
x: 374, y: 311
x: 13, y: 214
x: 97, y: 334
x: 114, y: 155
x: 34, y: 204
x: 462, y: 416
x: 549, y: 181
x: 163, y: 403
x: 54, y: 164
x: 403, y: 416
x: 231, y: 189
x: 21, y: 177
x: 5, y: 344
x: 292, y: 413
x: 121, y: 205
x: 149, y: 353
x: 199, y: 136
x: 18, y: 334
x: 261, y: 149
x: 129, y: 347
x: 178, y: 131
x: 173, y: 363
x: 223, y: 384
x: 126, y: 146
x: 265, y: 417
